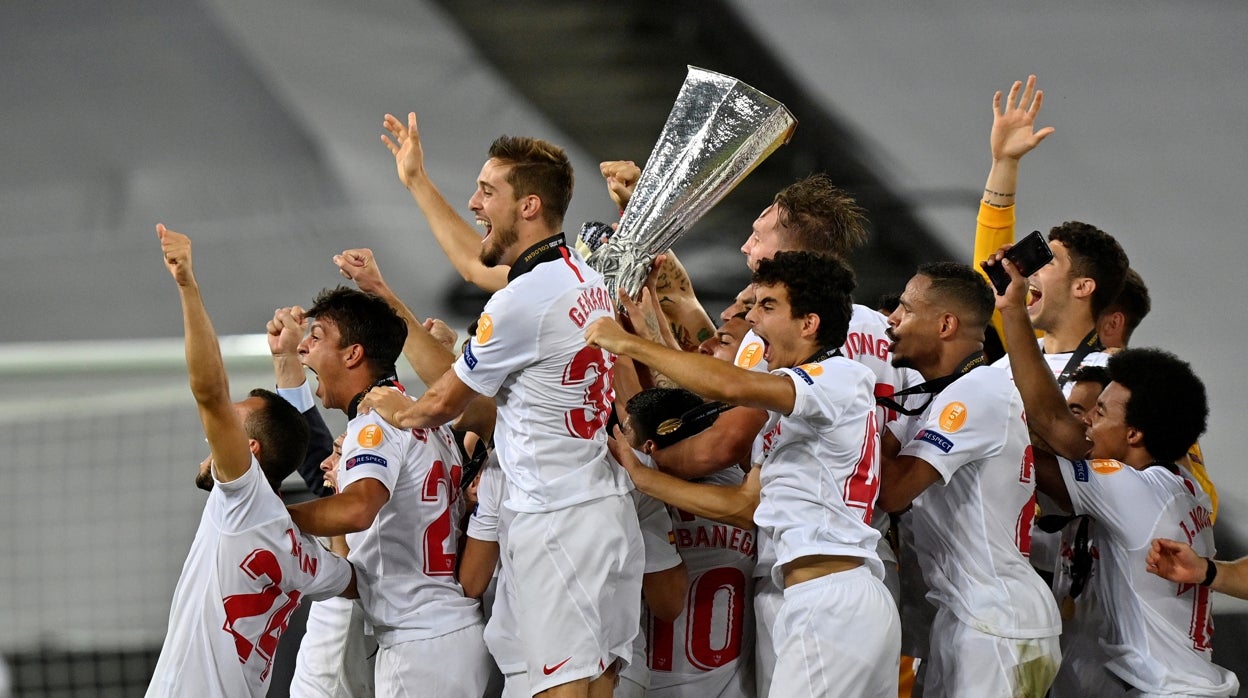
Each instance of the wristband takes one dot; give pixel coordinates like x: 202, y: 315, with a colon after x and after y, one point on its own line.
x: 1210, y: 573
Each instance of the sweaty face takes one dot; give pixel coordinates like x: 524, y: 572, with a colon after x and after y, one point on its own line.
x: 321, y: 352
x: 1107, y: 428
x: 767, y: 237
x: 498, y: 212
x: 914, y: 327
x: 723, y: 345
x: 1051, y: 288
x: 772, y: 320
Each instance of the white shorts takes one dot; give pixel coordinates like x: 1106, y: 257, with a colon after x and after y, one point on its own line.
x: 768, y: 598
x: 335, y: 657
x: 454, y: 665
x: 735, y: 680
x: 838, y: 635
x: 963, y: 661
x: 577, y: 588
x: 627, y: 688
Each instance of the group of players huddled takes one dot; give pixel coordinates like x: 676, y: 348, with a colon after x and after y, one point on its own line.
x: 611, y: 496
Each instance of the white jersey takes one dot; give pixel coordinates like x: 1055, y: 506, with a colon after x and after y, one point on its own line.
x: 405, y: 561
x: 972, y: 529
x: 821, y: 468
x: 707, y: 650
x: 1160, y: 635
x: 553, y: 391
x: 248, y: 569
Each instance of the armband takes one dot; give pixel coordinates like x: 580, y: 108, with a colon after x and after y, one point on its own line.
x: 1210, y: 573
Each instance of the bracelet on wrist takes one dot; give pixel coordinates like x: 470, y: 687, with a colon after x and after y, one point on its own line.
x: 1210, y: 572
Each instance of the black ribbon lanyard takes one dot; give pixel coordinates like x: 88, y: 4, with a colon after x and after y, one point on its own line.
x: 1089, y: 344
x: 821, y: 356
x: 548, y: 250
x: 931, y: 387
x: 390, y: 379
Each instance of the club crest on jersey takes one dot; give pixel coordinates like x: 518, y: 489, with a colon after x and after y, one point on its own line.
x: 1081, y: 470
x: 750, y: 355
x: 370, y: 436
x: 1106, y: 467
x: 485, y: 328
x: 952, y: 417
x: 935, y: 439
x: 366, y: 459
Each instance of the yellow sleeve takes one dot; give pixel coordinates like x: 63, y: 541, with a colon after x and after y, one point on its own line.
x: 994, y: 227
x: 1195, y: 464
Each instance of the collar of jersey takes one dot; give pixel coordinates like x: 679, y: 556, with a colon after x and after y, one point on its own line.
x: 389, y: 379
x: 548, y: 250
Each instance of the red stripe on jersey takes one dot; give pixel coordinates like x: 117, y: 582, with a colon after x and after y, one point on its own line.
x: 568, y: 258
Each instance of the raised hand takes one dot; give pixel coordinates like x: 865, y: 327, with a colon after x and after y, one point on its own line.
x: 621, y: 176
x: 1013, y: 123
x: 359, y: 265
x: 177, y: 250
x: 1015, y: 295
x: 286, y: 330
x: 442, y: 332
x: 409, y: 157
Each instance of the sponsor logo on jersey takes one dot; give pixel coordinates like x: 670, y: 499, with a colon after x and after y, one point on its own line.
x: 370, y: 436
x: 952, y: 417
x: 366, y: 459
x: 1081, y: 470
x: 935, y: 439
x: 804, y: 375
x: 548, y: 669
x: 750, y: 355
x: 1106, y: 467
x: 469, y: 357
x: 485, y: 328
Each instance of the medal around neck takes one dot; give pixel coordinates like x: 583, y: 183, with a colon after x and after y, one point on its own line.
x: 718, y: 131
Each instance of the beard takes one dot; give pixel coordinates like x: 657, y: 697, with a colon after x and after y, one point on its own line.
x: 500, y: 240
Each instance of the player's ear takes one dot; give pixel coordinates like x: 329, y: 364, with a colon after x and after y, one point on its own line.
x: 949, y: 324
x: 254, y: 447
x: 810, y: 325
x: 1083, y: 287
x: 649, y: 447
x: 1135, y: 437
x: 354, y: 355
x: 531, y: 206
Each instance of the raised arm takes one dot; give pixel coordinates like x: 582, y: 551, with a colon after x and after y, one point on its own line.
x: 284, y: 332
x: 1177, y: 562
x: 227, y: 440
x: 1047, y: 412
x: 704, y: 375
x: 1013, y: 136
x: 456, y: 237
x: 428, y: 356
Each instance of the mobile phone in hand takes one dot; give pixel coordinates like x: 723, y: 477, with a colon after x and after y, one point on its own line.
x: 1031, y: 253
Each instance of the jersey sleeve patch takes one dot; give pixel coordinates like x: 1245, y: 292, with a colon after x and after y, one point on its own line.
x: 1081, y: 470
x: 1106, y: 467
x: 749, y: 355
x: 469, y: 358
x: 953, y: 417
x: 803, y: 375
x: 936, y: 439
x: 364, y: 458
x: 370, y: 436
x: 485, y: 328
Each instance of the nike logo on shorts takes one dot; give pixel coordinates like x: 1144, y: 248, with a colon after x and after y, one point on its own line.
x: 548, y: 670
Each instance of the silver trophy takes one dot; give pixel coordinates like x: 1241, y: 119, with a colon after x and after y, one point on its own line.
x: 719, y: 130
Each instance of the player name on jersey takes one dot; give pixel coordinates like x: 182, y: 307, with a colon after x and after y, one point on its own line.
x: 591, y: 299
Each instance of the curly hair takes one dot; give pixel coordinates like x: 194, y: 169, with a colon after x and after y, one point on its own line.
x: 1096, y: 255
x: 816, y: 284
x: 819, y: 217
x: 537, y: 168
x: 364, y: 319
x: 1167, y: 401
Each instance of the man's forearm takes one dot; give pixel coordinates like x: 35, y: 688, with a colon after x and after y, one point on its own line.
x: 712, y: 378
x: 457, y: 238
x: 731, y: 505
x: 1047, y: 412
